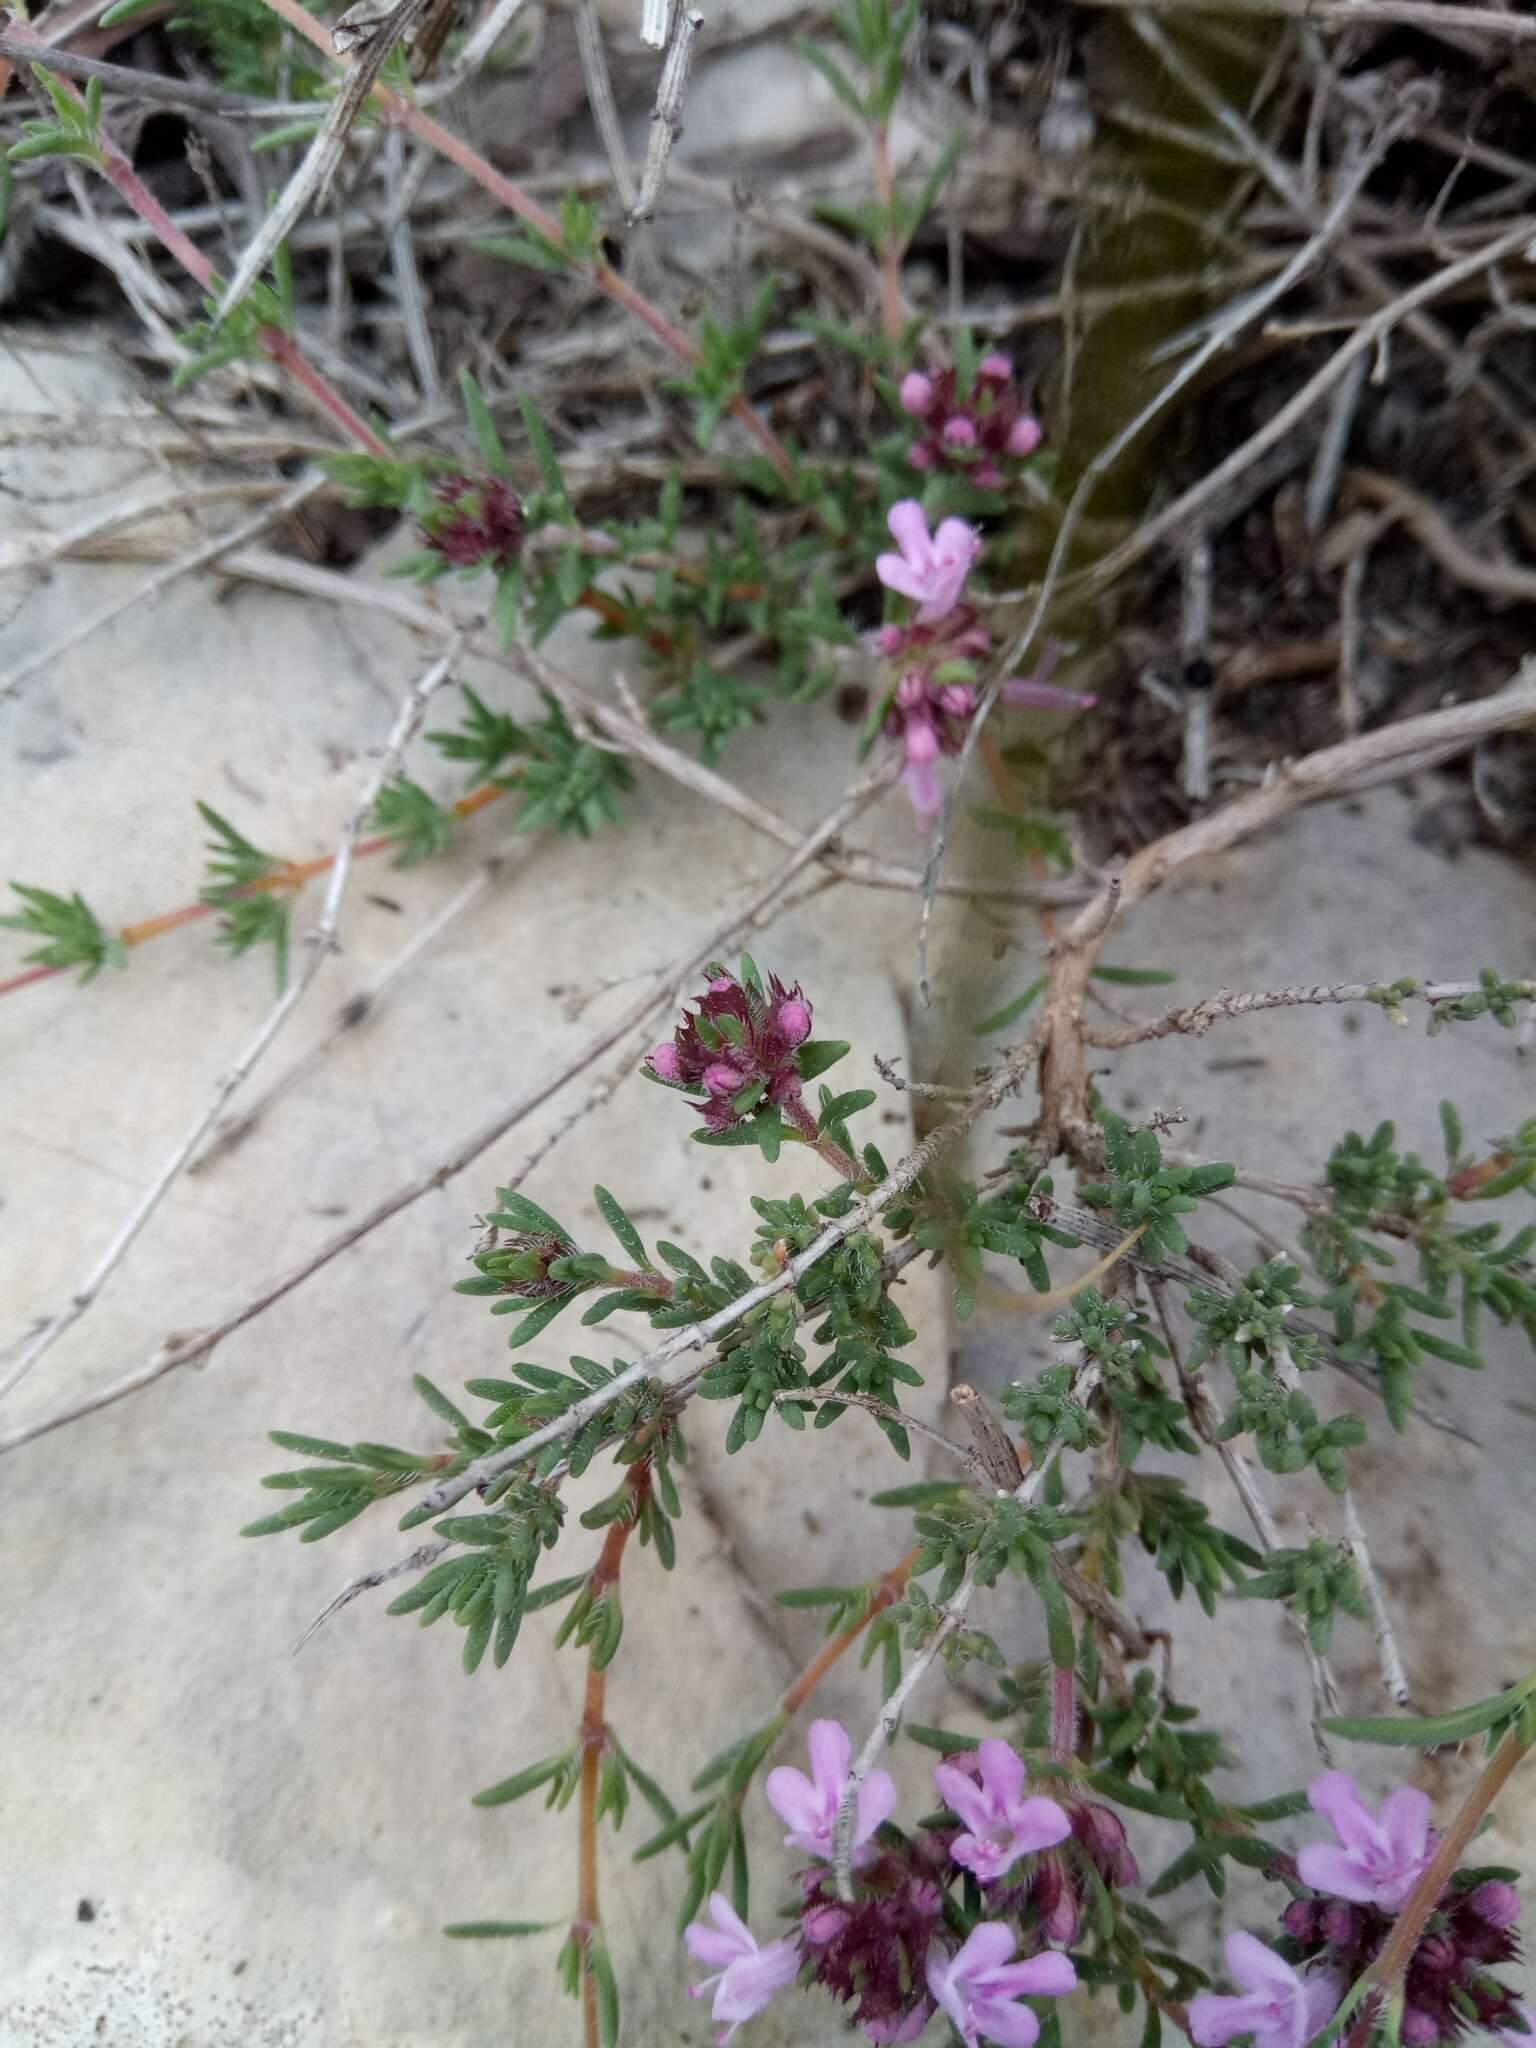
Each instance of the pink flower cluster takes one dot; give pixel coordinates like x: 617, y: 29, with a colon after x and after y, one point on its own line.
x: 738, y: 1049
x: 934, y: 698
x: 1358, y: 1886
x: 477, y: 521
x: 888, y: 1950
x: 976, y: 435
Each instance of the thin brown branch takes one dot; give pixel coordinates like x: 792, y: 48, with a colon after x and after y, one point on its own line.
x: 667, y: 115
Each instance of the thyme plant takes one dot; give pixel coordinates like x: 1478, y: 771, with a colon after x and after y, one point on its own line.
x: 1024, y: 1881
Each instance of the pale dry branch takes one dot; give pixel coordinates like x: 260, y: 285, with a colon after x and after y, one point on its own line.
x: 423, y: 1555
x: 1196, y: 1019
x: 667, y: 115
x: 319, y: 943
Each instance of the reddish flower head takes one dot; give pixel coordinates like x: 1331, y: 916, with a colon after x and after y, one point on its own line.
x: 977, y: 437
x: 869, y: 1951
x: 737, y: 1049
x: 480, y: 523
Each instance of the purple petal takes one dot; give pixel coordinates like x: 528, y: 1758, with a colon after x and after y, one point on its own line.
x: 1320, y: 2001
x: 925, y: 790
x: 705, y: 1945
x: 1002, y: 1773
x: 1023, y: 690
x: 831, y: 1749
x: 987, y: 1947
x: 1405, y: 1823
x: 909, y: 530
x: 956, y: 541
x: 748, y: 1986
x: 1334, y: 1796
x: 906, y: 2029
x: 1258, y: 1968
x: 729, y: 1921
x: 1011, y: 2026
x: 1038, y: 1824
x: 1214, y: 2018
x: 963, y: 1796
x: 1048, y: 1975
x: 1341, y: 1873
x: 876, y: 1803
x: 795, y: 1799
x: 898, y: 574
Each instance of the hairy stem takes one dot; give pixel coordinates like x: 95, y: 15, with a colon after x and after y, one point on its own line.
x: 594, y: 1743
x: 842, y: 1163
x: 893, y: 1584
x: 890, y: 253
x: 1391, y: 1966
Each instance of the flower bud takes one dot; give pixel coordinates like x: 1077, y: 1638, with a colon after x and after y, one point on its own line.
x: 665, y: 1063
x: 721, y: 1079
x: 821, y: 1924
x: 1418, y: 2027
x: 794, y: 1020
x: 1024, y: 436
x: 1342, y: 1924
x: 1496, y: 1903
x: 959, y: 432
x: 912, y: 690
x: 1055, y: 1902
x: 958, y: 699
x: 986, y: 476
x: 920, y: 455
x: 890, y: 639
x: 916, y: 393
x: 1301, y: 1919
x: 996, y: 369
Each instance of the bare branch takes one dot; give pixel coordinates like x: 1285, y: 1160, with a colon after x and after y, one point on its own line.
x: 1195, y: 1019
x: 667, y: 115
x: 423, y: 1555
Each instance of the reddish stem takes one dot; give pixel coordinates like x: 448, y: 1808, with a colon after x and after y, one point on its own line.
x: 280, y: 349
x: 1063, y: 1713
x: 594, y: 1742
x: 893, y: 1584
x: 840, y: 1161
x: 276, y: 346
x: 292, y: 874
x: 891, y: 314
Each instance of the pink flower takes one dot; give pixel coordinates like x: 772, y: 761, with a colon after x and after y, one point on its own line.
x: 929, y: 570
x: 960, y: 432
x: 1279, y: 2008
x: 925, y: 791
x: 906, y: 2029
x: 1030, y: 695
x: 665, y: 1063
x: 1379, y: 1861
x: 810, y: 1804
x: 916, y: 393
x: 1024, y: 436
x: 1002, y: 1825
x: 979, y: 1986
x: 794, y: 1020
x: 1496, y: 1902
x: 747, y: 1976
x: 995, y: 369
